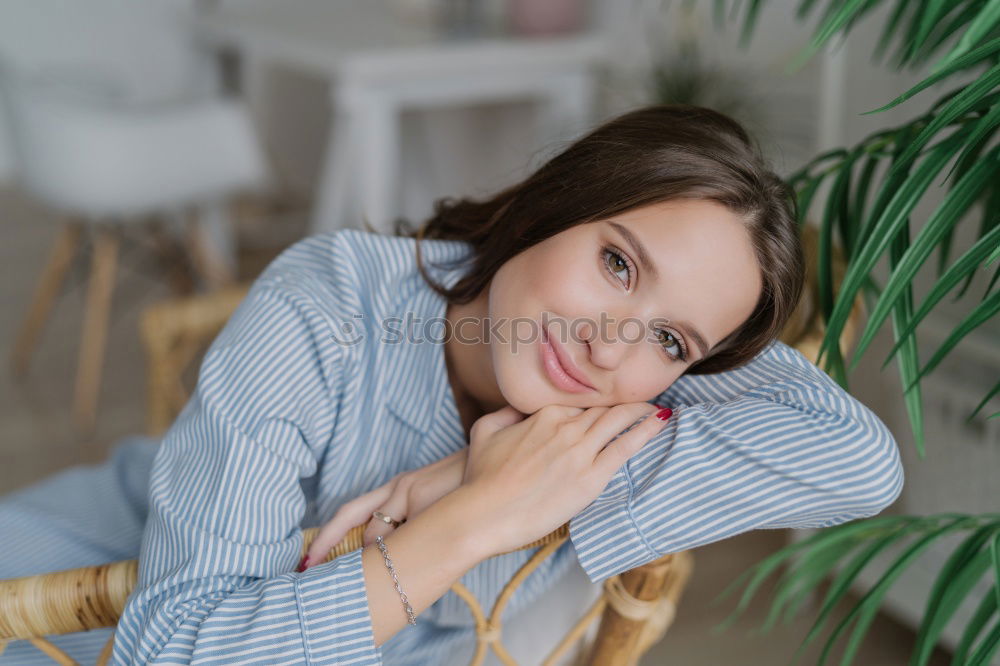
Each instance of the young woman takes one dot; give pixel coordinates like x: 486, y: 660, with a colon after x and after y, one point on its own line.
x: 480, y: 382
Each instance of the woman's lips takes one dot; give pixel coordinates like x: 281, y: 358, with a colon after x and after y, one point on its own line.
x: 555, y: 370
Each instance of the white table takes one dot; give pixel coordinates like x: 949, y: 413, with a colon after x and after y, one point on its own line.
x: 379, y: 65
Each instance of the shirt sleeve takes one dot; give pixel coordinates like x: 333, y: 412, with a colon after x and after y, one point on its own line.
x: 216, y: 580
x: 775, y: 443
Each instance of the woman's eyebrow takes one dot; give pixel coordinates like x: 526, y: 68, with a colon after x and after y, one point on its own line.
x: 693, y: 333
x: 638, y: 248
x: 647, y: 264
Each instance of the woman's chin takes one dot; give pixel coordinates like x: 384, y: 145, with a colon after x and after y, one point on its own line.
x: 523, y: 398
x: 530, y: 403
x: 523, y: 404
x: 528, y: 395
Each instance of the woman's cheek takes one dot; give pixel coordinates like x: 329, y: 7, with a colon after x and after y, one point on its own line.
x: 653, y: 375
x: 640, y: 385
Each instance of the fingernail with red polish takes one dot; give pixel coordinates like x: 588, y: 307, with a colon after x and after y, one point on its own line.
x: 664, y: 413
x: 303, y: 565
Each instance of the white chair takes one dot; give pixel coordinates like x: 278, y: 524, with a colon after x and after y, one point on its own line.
x: 115, y: 120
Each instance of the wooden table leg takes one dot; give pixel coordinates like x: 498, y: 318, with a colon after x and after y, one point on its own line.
x: 212, y: 246
x: 95, y: 328
x: 49, y: 284
x: 335, y: 203
x: 378, y: 131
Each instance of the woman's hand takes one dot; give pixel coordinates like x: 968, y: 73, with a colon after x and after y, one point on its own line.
x: 404, y: 496
x: 524, y: 477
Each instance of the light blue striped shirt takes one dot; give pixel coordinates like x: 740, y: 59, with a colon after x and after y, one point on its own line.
x: 302, y: 404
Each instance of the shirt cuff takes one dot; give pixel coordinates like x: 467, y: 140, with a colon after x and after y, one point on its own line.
x: 607, y: 540
x: 336, y: 619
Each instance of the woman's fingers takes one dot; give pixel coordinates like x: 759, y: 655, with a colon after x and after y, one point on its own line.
x: 614, y: 421
x: 395, y: 507
x: 355, y: 512
x: 615, y: 454
x: 404, y: 495
x: 490, y: 423
x: 590, y: 416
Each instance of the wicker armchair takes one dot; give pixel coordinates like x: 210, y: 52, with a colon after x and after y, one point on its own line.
x: 635, y: 607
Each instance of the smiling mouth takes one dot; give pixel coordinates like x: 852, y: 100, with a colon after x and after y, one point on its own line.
x: 555, y: 371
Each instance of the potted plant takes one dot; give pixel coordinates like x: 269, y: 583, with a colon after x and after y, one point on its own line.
x: 680, y: 74
x: 874, y: 188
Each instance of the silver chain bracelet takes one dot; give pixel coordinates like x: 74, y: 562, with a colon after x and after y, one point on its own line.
x: 411, y: 618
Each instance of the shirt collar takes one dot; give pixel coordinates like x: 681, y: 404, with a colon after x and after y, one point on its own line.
x: 420, y: 394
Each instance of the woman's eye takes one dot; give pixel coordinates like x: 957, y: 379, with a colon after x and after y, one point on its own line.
x: 616, y: 263
x: 669, y: 341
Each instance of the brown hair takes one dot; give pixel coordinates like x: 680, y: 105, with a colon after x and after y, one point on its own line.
x: 642, y: 157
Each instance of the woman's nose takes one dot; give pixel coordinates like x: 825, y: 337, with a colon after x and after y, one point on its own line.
x: 605, y: 348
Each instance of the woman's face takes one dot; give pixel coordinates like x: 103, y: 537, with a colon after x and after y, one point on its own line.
x: 631, y: 327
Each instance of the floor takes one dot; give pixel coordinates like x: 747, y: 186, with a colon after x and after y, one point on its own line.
x: 37, y: 438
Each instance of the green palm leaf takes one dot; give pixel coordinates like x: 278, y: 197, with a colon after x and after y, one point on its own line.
x: 957, y: 577
x: 946, y: 30
x: 889, y: 29
x: 934, y: 12
x: 993, y: 256
x: 890, y: 185
x: 982, y: 403
x: 805, y: 195
x: 908, y: 360
x: 982, y: 313
x: 995, y: 557
x: 961, y: 103
x: 986, y: 225
x: 983, y: 131
x: 960, y: 64
x: 987, y: 607
x: 903, y: 200
x: 986, y: 649
x: 842, y: 584
x: 861, y: 197
x: 798, y: 581
x: 753, y: 10
x: 757, y: 574
x: 957, y: 201
x: 969, y: 261
x: 874, y: 596
x: 810, y: 559
x: 833, y: 23
x: 985, y: 21
x: 805, y: 7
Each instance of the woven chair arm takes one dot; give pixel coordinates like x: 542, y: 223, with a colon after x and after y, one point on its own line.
x: 173, y: 332
x: 197, y: 316
x: 94, y: 597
